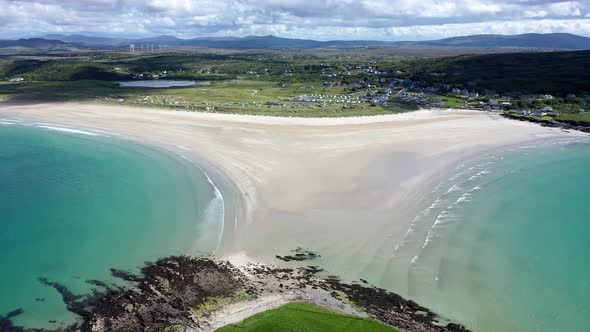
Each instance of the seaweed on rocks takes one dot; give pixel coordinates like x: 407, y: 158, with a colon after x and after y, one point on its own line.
x: 563, y: 124
x: 67, y: 296
x: 171, y: 291
x: 123, y: 275
x: 299, y: 255
x: 392, y: 309
x: 166, y: 291
x: 6, y: 321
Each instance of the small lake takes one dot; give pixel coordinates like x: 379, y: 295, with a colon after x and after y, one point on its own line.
x: 156, y: 83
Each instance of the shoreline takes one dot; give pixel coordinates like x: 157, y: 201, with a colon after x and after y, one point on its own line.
x: 241, y: 194
x: 172, y: 152
x: 340, y: 186
x: 199, y: 294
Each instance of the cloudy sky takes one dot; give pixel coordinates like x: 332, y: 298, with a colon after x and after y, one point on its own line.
x: 316, y: 19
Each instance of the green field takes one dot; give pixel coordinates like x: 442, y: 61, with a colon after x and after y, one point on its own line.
x: 279, y: 84
x: 305, y: 317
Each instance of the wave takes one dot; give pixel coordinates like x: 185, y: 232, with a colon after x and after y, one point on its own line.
x: 54, y: 127
x: 68, y: 130
x: 212, y: 204
x: 479, y: 175
x: 446, y: 201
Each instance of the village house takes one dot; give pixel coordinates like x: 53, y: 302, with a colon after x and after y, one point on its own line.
x: 17, y: 79
x: 521, y: 112
x: 545, y: 111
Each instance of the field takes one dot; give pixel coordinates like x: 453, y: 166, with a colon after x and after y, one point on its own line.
x: 304, y: 317
x: 305, y: 84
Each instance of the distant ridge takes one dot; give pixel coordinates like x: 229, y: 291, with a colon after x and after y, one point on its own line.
x: 553, y: 41
x: 88, y: 40
x: 529, y: 40
x: 36, y: 43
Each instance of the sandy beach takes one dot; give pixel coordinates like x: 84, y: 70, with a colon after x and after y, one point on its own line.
x: 344, y: 187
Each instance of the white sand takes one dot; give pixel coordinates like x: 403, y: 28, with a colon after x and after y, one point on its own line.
x: 346, y: 187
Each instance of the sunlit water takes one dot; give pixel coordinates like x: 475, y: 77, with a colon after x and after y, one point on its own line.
x: 74, y: 204
x: 503, y: 245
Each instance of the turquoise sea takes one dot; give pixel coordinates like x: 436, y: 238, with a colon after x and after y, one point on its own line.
x: 74, y: 204
x: 504, y: 243
x: 501, y: 245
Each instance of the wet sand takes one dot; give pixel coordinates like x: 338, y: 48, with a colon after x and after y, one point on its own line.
x: 344, y: 187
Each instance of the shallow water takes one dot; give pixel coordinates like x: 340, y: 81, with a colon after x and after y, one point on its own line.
x: 500, y: 245
x: 503, y: 245
x: 156, y: 83
x: 75, y: 203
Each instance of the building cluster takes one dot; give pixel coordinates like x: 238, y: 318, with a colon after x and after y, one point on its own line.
x: 545, y: 111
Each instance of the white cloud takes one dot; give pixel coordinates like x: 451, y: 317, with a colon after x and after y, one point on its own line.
x: 568, y: 8
x: 324, y: 19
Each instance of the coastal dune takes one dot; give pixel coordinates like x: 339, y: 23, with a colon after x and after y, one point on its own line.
x: 347, y: 188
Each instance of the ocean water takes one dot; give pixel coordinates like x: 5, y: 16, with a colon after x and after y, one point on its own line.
x: 74, y: 204
x: 504, y: 244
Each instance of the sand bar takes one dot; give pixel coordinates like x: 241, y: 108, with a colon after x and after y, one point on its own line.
x: 345, y: 187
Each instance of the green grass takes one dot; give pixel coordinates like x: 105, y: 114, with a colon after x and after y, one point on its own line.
x: 57, y: 90
x: 227, y: 84
x: 237, y: 96
x: 305, y: 317
x: 575, y: 119
x: 450, y: 101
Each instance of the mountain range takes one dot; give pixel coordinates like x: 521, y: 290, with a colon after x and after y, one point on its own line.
x: 553, y: 41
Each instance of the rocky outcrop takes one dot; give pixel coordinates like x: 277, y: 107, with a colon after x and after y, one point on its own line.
x: 181, y: 292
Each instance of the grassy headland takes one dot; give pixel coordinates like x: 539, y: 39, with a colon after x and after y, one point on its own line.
x: 305, y: 317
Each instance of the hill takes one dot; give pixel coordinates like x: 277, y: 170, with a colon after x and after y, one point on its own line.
x: 538, y: 72
x: 35, y: 43
x: 554, y: 41
x: 531, y: 40
x: 88, y: 40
